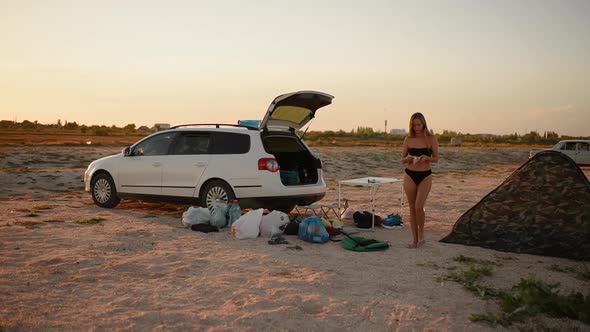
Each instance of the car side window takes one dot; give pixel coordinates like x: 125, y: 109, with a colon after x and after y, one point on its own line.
x: 583, y: 146
x: 154, y: 146
x: 571, y: 146
x: 230, y: 143
x: 191, y: 143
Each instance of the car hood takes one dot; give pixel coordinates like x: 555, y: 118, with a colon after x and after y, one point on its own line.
x: 294, y: 110
x: 106, y: 159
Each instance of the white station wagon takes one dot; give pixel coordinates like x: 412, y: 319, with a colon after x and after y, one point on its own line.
x: 578, y: 150
x: 267, y: 166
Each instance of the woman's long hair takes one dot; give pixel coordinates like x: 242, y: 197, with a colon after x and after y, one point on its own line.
x: 420, y: 117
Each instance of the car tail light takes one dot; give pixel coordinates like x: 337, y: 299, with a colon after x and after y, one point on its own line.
x: 268, y: 164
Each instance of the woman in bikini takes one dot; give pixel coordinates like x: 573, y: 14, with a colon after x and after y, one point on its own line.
x: 419, y: 151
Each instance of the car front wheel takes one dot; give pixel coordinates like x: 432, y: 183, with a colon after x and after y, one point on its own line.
x: 216, y: 190
x: 104, y: 193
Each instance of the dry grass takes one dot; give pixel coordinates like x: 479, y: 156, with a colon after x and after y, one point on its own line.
x: 28, y: 224
x: 89, y: 221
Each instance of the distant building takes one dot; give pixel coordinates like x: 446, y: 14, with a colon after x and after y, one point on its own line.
x: 161, y: 126
x: 401, y: 132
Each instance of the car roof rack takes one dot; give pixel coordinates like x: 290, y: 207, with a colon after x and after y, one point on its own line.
x: 216, y: 125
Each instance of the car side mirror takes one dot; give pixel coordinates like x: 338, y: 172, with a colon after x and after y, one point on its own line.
x: 126, y: 151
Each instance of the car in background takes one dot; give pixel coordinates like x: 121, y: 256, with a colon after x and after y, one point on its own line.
x: 266, y: 166
x: 578, y: 150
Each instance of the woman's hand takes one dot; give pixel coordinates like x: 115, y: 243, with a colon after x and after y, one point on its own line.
x: 423, y: 158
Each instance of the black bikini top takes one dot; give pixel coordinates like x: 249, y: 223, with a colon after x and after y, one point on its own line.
x: 420, y: 151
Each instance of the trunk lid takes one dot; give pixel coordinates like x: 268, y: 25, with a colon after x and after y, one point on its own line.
x: 294, y: 110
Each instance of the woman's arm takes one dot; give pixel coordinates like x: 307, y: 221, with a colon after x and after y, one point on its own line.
x: 405, y: 158
x: 434, y: 158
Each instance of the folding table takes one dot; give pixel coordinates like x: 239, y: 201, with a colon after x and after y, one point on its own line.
x: 373, y: 183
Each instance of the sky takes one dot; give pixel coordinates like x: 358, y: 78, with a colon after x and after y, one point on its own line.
x: 471, y: 66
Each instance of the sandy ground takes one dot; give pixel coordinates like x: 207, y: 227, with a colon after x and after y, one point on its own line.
x: 139, y: 269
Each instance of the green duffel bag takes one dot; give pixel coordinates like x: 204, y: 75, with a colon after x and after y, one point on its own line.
x: 358, y: 243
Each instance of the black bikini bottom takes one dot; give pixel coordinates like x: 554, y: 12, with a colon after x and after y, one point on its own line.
x: 418, y: 176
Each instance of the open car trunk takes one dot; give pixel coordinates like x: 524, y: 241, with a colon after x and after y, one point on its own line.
x: 297, y: 165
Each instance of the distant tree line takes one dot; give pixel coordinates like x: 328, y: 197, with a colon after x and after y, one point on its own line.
x: 360, y: 135
x: 533, y: 137
x: 368, y: 134
x: 74, y: 128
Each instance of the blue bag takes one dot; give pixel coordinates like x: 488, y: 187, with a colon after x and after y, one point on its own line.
x: 392, y: 221
x: 218, y: 214
x: 312, y: 230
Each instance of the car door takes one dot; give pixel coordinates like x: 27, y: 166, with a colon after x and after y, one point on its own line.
x: 569, y: 149
x: 583, y: 155
x: 140, y: 172
x: 188, y: 159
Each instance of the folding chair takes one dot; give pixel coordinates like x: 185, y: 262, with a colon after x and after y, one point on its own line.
x: 323, y: 210
x: 326, y: 209
x: 316, y: 209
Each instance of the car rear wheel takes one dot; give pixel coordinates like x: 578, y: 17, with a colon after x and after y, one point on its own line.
x: 216, y: 190
x: 104, y: 193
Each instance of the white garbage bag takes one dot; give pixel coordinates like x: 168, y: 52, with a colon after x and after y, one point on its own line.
x: 248, y: 225
x: 276, y: 219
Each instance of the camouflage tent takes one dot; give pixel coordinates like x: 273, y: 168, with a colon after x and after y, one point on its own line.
x: 542, y: 208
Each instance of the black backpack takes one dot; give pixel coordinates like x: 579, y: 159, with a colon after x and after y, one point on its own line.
x: 292, y: 228
x: 365, y: 219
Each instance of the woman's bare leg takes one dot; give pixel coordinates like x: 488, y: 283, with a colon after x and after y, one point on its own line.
x: 410, y: 189
x: 422, y: 192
